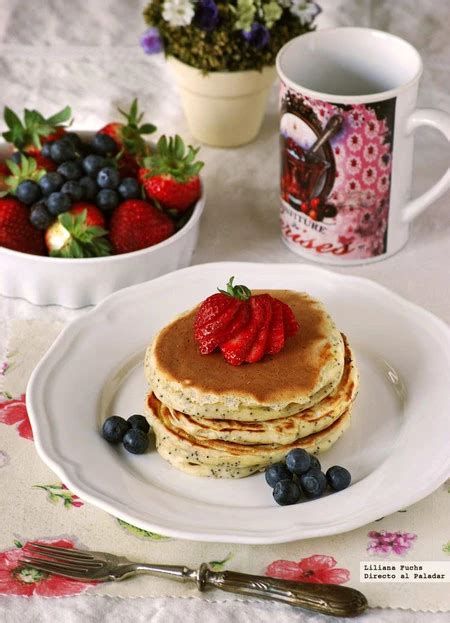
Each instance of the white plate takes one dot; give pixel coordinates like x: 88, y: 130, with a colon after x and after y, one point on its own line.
x: 396, y: 447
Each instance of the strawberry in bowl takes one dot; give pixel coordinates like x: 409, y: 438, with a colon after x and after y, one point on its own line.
x: 84, y: 204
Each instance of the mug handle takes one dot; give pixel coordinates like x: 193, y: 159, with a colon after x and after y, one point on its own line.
x: 439, y: 120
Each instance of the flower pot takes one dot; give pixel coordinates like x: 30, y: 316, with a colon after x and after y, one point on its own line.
x: 223, y: 109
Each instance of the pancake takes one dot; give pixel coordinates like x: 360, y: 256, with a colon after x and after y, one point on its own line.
x: 222, y: 459
x: 282, y: 430
x: 309, y: 368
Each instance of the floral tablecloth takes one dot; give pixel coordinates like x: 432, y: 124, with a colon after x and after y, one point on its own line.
x: 41, y: 508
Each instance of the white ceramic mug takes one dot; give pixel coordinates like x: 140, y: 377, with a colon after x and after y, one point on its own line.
x: 345, y: 197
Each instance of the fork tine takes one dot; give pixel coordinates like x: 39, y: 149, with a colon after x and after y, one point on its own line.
x: 31, y: 560
x: 68, y: 551
x: 46, y: 556
x: 67, y: 562
x: 48, y: 567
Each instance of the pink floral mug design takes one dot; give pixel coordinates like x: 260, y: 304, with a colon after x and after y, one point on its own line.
x: 347, y: 104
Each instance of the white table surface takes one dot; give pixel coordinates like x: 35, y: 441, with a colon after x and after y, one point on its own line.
x: 58, y: 52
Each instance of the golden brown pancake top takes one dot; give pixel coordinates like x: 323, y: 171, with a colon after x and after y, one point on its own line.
x: 296, y: 368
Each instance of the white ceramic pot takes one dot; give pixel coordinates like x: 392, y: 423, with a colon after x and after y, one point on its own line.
x: 223, y: 109
x: 79, y: 282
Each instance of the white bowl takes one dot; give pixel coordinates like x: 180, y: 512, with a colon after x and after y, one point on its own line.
x: 80, y: 282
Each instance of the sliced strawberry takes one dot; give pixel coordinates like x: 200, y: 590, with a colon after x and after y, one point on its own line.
x: 291, y: 325
x: 208, y: 334
x: 258, y: 349
x: 237, y: 324
x: 276, y: 338
x: 245, y: 327
x: 237, y: 348
x: 211, y: 309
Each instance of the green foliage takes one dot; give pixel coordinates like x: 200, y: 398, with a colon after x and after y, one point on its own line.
x: 224, y: 48
x: 132, y: 131
x: 173, y: 158
x: 33, y: 127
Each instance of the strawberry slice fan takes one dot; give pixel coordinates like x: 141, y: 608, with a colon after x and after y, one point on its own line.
x: 243, y: 326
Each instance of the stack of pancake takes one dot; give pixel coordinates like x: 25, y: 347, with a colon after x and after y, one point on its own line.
x: 214, y: 419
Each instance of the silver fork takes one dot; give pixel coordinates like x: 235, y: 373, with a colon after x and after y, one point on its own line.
x: 103, y: 567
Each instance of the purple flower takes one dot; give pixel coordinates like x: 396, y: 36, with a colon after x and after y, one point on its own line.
x: 390, y: 542
x: 258, y: 35
x: 151, y: 42
x: 206, y: 15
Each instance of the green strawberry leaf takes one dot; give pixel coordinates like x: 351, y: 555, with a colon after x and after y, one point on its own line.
x: 147, y: 128
x: 133, y: 109
x: 13, y: 167
x: 11, y: 119
x: 33, y: 127
x: 171, y: 158
x: 60, y: 117
x: 85, y: 240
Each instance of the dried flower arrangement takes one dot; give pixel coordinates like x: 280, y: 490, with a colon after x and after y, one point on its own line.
x: 225, y: 36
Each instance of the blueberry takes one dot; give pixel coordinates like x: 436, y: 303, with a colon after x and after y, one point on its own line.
x: 62, y: 150
x: 139, y: 422
x: 107, y: 199
x: 89, y: 186
x: 92, y: 164
x: 129, y: 188
x: 276, y: 472
x: 135, y: 441
x: 74, y: 139
x: 104, y: 145
x: 108, y: 177
x: 57, y: 203
x: 40, y: 217
x: 286, y: 492
x: 298, y: 461
x: 46, y: 149
x: 74, y: 190
x: 16, y: 157
x: 315, y: 463
x: 313, y: 483
x: 338, y: 478
x: 71, y: 170
x: 28, y: 192
x: 114, y: 428
x: 51, y: 182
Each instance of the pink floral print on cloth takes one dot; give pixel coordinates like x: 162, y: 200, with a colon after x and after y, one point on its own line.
x: 384, y: 542
x: 317, y: 569
x: 16, y: 579
x: 14, y: 411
